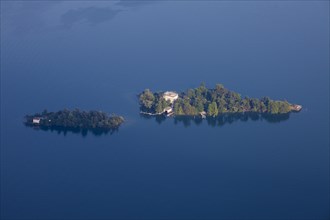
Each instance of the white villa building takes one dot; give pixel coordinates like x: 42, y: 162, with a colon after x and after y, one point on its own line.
x: 171, y: 96
x: 36, y: 121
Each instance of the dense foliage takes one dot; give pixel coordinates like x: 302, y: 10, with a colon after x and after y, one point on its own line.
x: 152, y: 102
x: 212, y: 101
x: 76, y: 119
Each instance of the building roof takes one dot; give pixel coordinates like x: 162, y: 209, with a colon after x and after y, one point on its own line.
x: 36, y: 120
x: 170, y: 94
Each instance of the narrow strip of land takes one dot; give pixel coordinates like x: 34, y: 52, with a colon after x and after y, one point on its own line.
x: 75, y: 119
x: 209, y: 102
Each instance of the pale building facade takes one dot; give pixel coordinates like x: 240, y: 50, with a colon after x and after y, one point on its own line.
x: 170, y: 96
x: 36, y: 121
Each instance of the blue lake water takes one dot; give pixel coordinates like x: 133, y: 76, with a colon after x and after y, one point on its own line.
x: 100, y: 55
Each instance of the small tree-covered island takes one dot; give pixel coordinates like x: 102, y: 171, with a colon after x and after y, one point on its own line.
x: 75, y: 119
x: 204, y: 102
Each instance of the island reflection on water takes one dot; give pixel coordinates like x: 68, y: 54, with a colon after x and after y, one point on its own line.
x: 223, y: 119
x: 82, y: 131
x: 187, y: 121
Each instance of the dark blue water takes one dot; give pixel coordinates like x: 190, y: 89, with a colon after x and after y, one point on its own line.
x: 99, y: 55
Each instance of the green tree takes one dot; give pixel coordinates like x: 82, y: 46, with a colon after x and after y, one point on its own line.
x: 263, y: 107
x: 188, y: 109
x: 273, y: 107
x: 219, y: 88
x: 199, y: 105
x: 201, y: 90
x: 191, y: 93
x: 284, y: 107
x: 221, y: 105
x: 161, y: 105
x: 178, y: 108
x: 147, y: 99
x: 245, y: 104
x: 212, y: 109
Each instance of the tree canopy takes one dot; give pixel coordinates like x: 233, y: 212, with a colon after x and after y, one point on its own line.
x: 76, y: 119
x: 212, y: 101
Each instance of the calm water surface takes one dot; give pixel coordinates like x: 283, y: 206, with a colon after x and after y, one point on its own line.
x: 99, y: 55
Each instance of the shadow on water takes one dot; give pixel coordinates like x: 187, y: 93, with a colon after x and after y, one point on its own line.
x: 91, y: 15
x: 95, y: 15
x: 82, y: 131
x: 223, y: 119
x: 159, y: 118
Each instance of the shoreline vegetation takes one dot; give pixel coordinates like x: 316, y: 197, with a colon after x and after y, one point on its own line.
x: 205, y: 102
x: 199, y: 103
x: 75, y: 120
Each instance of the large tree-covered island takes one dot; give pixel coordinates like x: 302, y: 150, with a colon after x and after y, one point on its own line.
x: 209, y: 102
x: 75, y: 119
